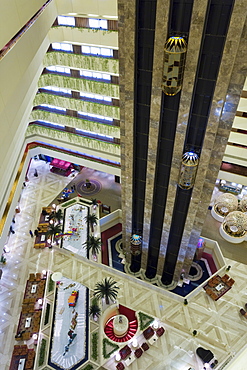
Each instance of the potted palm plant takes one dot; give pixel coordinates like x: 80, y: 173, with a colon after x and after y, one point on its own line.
x: 94, y: 309
x: 106, y: 289
x: 93, y: 244
x: 92, y: 220
x: 53, y: 230
x: 94, y: 203
x: 56, y: 216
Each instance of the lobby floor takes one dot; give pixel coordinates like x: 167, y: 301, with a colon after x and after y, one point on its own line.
x: 219, y: 325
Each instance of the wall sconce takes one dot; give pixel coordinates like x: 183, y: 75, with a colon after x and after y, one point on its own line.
x: 174, y: 63
x: 135, y: 244
x: 188, y: 170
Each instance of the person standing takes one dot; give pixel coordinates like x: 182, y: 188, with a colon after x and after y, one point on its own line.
x: 36, y: 173
x: 31, y: 233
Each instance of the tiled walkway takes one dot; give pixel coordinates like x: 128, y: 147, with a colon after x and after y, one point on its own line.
x: 219, y: 325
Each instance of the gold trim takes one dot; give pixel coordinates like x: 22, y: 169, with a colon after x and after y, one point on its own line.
x: 12, y: 192
x: 175, y: 45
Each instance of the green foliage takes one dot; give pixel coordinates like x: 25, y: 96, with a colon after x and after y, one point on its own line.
x: 88, y: 367
x: 80, y: 84
x: 89, y: 29
x: 51, y: 284
x: 107, y: 289
x: 65, y: 136
x: 53, y: 230
x: 91, y: 220
x: 78, y: 105
x: 75, y: 122
x: 108, y: 348
x: 95, y: 339
x: 56, y: 216
x: 93, y: 63
x: 66, y: 204
x: 42, y: 352
x: 47, y: 313
x: 94, y: 201
x: 145, y: 320
x: 93, y: 244
x: 94, y: 309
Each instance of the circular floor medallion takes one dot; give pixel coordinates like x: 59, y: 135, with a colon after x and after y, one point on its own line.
x: 82, y: 189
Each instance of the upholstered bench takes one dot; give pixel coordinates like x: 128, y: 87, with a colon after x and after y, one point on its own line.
x: 148, y: 333
x: 124, y: 352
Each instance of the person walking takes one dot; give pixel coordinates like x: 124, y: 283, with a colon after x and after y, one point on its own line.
x: 11, y: 229
x: 31, y: 233
x: 36, y: 173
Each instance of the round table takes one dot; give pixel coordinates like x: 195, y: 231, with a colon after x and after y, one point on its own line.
x: 224, y: 209
x: 120, y: 325
x: 234, y: 229
x: 56, y: 276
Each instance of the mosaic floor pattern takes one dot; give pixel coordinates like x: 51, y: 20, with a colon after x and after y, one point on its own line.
x: 219, y: 324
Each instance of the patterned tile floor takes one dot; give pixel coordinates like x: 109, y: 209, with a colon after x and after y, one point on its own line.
x: 220, y: 326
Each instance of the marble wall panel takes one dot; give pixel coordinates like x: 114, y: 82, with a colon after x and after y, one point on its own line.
x: 232, y: 64
x: 126, y: 13
x: 160, y: 37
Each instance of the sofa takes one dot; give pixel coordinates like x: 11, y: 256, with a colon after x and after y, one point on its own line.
x: 148, y: 333
x: 125, y: 352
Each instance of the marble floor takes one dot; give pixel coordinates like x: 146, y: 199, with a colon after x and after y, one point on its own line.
x: 219, y: 325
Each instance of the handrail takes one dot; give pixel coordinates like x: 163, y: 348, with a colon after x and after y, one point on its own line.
x: 4, y: 51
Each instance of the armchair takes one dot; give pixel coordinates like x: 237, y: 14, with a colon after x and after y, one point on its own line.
x: 148, y: 333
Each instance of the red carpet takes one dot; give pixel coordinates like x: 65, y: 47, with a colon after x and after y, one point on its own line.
x: 211, y: 263
x: 130, y: 333
x: 127, y: 312
x: 104, y: 237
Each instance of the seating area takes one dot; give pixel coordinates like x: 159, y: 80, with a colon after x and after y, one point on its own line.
x: 29, y: 322
x: 160, y: 331
x: 138, y: 352
x: 22, y: 357
x: 124, y: 352
x: 148, y: 333
x: 132, y: 351
x: 40, y: 237
x: 244, y: 312
x: 120, y: 366
x: 145, y: 346
x: 217, y: 286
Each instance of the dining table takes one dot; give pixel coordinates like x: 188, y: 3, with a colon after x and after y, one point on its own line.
x: 34, y: 288
x: 28, y: 322
x: 21, y: 364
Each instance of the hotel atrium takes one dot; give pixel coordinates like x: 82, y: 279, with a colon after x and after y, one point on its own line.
x: 140, y: 106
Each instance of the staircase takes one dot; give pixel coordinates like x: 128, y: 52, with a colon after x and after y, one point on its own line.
x: 130, y: 333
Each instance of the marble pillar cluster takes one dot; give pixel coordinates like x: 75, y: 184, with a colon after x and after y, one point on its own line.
x: 225, y: 99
